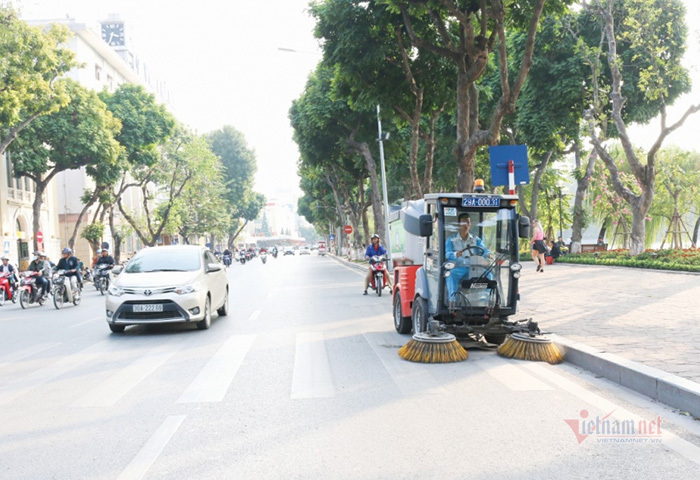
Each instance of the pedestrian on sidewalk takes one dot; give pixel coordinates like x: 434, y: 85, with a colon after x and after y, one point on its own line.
x: 538, y: 246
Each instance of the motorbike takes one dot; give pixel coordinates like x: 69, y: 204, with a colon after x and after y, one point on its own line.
x: 102, y: 272
x: 227, y: 260
x: 274, y: 253
x: 7, y: 290
x: 378, y: 280
x: 29, y: 291
x: 87, y: 275
x: 242, y: 257
x: 263, y: 257
x: 62, y: 291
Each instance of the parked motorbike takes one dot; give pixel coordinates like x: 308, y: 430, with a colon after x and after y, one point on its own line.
x: 102, y: 272
x: 242, y: 257
x: 62, y: 291
x: 376, y: 263
x: 227, y: 260
x: 29, y: 291
x: 7, y: 290
x: 263, y: 257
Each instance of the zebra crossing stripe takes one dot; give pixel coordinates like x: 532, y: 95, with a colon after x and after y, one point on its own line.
x: 214, y: 379
x: 312, y: 373
x: 149, y: 453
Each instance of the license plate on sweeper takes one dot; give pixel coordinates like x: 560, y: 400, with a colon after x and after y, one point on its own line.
x: 149, y: 307
x: 474, y: 201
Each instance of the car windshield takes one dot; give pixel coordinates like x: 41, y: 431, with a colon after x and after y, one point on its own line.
x: 164, y: 260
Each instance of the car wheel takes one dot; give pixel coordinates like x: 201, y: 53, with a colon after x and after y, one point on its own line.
x: 401, y: 324
x: 205, y: 323
x: 223, y: 311
x: 117, y: 328
x: 420, y: 315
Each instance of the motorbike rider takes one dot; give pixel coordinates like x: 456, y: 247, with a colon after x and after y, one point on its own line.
x: 375, y: 248
x: 41, y: 266
x: 70, y: 265
x: 105, y: 258
x: 7, y: 267
x: 457, y: 250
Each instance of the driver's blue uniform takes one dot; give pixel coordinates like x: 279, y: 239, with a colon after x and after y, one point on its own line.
x: 453, y: 245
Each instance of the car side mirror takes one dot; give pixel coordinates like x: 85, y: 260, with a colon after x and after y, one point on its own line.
x: 213, y: 267
x: 425, y: 225
x: 524, y: 227
x: 117, y: 269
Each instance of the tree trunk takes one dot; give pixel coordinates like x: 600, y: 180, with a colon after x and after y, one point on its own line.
x: 695, y: 232
x: 115, y: 237
x: 582, y: 184
x: 430, y: 154
x: 465, y: 161
x: 36, y: 210
x: 377, y: 209
x: 79, y: 221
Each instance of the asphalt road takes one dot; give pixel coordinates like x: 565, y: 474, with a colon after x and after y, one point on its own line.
x: 302, y: 380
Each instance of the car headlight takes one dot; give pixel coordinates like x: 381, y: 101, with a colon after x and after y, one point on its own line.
x: 185, y: 289
x: 515, y: 267
x: 116, y: 291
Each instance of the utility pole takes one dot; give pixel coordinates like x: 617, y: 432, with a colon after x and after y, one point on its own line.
x: 386, y: 201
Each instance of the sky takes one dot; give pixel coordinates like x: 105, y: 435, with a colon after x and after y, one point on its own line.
x: 222, y: 64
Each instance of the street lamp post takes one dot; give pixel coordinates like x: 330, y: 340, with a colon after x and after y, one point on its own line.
x: 561, y: 222
x: 385, y: 195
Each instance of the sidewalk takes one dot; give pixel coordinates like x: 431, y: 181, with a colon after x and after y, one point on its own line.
x: 639, y: 328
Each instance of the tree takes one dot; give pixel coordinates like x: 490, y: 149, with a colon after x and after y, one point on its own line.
x: 183, y: 158
x: 32, y: 61
x: 93, y: 233
x: 239, y: 167
x: 81, y: 134
x: 467, y: 34
x: 656, y: 33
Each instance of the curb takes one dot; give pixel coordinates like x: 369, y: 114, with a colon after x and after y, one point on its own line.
x: 672, y: 390
x: 667, y: 388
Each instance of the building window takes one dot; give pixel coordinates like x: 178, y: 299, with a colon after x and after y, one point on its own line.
x: 109, y: 83
x: 98, y: 72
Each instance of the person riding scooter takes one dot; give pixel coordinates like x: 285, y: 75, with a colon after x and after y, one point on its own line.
x: 7, y: 267
x: 41, y: 266
x: 71, y: 266
x: 375, y: 249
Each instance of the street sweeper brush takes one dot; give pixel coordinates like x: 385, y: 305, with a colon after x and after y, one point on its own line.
x: 439, y: 347
x: 523, y: 346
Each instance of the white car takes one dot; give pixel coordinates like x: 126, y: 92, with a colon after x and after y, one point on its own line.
x: 304, y: 250
x: 172, y: 284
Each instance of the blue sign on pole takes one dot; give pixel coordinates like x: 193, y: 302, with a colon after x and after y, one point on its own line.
x: 500, y: 155
x: 331, y: 237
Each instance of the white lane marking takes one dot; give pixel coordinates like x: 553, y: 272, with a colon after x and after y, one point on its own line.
x: 149, y: 453
x: 680, y: 446
x: 254, y: 315
x: 14, y: 389
x: 510, y: 375
x: 24, y: 353
x: 411, y: 378
x: 312, y: 373
x: 214, y: 379
x: 110, y: 391
x: 86, y: 321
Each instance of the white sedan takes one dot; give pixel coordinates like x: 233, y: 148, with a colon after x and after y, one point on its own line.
x: 181, y: 283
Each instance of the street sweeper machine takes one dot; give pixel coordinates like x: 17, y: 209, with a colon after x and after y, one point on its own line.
x: 456, y: 265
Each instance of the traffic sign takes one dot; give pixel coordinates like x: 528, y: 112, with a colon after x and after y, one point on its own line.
x: 347, y: 229
x: 39, y: 237
x: 331, y: 237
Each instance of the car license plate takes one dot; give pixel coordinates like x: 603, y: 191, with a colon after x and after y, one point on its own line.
x: 149, y: 307
x: 478, y: 286
x: 480, y: 202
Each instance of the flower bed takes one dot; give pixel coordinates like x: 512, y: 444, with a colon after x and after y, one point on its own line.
x: 686, y: 260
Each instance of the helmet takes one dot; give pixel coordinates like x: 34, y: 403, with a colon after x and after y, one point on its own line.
x: 98, y: 251
x: 40, y: 254
x: 66, y: 250
x: 4, y: 257
x: 374, y: 236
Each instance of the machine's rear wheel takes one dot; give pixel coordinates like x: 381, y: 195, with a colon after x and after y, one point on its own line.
x: 401, y: 324
x: 419, y: 315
